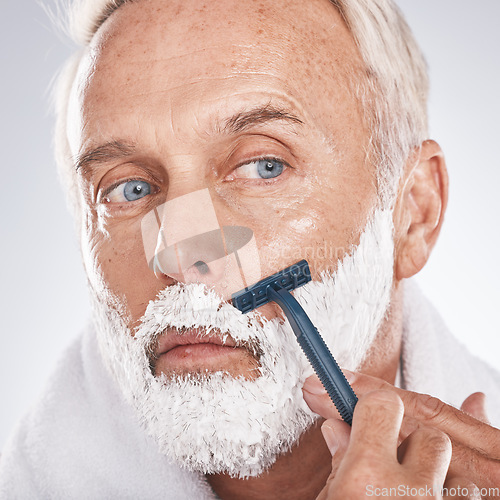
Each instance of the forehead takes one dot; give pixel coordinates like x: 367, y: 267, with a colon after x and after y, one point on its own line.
x: 173, y: 55
x: 290, y: 30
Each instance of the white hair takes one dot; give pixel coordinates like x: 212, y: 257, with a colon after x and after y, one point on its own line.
x: 393, y: 92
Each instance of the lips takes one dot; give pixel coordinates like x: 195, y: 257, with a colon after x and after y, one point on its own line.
x: 174, y: 339
x: 195, y: 352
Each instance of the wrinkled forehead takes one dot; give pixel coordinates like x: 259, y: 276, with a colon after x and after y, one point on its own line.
x: 188, y: 51
x: 293, y: 31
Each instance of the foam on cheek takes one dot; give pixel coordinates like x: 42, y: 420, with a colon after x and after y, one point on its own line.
x: 215, y: 423
x: 348, y: 307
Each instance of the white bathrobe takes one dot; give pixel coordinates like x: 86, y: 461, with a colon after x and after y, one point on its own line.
x: 81, y: 440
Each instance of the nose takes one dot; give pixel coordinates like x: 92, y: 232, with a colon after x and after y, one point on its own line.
x: 183, y: 240
x: 201, y: 267
x: 196, y: 259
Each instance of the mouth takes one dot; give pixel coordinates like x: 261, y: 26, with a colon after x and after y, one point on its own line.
x: 195, y: 351
x: 173, y: 339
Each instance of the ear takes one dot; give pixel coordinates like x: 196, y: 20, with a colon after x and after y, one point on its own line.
x: 420, y: 208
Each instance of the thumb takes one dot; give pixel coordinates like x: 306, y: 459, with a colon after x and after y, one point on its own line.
x: 475, y: 406
x: 336, y: 434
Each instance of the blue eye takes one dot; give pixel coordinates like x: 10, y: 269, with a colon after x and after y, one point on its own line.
x: 261, y: 169
x: 129, y: 191
x: 269, y: 168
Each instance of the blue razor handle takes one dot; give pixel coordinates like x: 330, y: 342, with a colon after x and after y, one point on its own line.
x: 317, y: 352
x: 277, y: 288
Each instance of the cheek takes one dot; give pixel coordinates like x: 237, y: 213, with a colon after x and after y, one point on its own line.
x: 302, y: 238
x: 318, y: 230
x: 117, y: 268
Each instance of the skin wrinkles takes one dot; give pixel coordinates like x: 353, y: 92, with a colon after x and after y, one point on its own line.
x: 117, y: 149
x: 127, y: 90
x: 111, y: 150
x: 277, y: 99
x: 212, y: 119
x: 166, y: 123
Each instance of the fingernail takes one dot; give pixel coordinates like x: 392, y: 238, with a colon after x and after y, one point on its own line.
x: 350, y: 376
x: 314, y: 386
x: 330, y: 438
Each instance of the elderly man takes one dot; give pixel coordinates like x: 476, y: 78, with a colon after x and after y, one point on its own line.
x: 205, y: 146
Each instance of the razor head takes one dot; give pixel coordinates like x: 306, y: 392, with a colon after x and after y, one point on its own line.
x: 292, y: 277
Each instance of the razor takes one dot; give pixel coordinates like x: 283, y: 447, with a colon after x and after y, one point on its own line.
x: 277, y: 288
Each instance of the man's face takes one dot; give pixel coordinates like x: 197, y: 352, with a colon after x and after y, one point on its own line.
x: 248, y: 107
x: 197, y: 97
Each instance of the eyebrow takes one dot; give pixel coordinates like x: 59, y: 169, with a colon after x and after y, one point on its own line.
x: 109, y: 151
x: 115, y: 150
x: 257, y: 116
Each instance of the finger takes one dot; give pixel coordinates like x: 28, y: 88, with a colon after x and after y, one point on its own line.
x: 318, y: 400
x: 335, y: 431
x: 484, y: 471
x: 336, y: 434
x: 475, y: 406
x: 483, y: 468
x: 432, y: 412
x: 460, y: 489
x: 473, y: 455
x: 375, y: 427
x: 427, y: 454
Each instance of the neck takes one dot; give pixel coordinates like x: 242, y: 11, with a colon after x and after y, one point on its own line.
x: 302, y: 473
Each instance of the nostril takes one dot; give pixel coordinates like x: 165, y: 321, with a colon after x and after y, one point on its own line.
x: 202, y: 267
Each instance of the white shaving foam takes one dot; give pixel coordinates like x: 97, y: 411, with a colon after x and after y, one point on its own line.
x: 214, y: 423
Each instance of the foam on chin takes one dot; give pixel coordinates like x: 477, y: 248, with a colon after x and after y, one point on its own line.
x: 214, y: 423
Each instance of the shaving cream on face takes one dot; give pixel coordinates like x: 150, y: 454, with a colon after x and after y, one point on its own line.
x: 215, y: 423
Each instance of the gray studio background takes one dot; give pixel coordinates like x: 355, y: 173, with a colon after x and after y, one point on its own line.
x: 42, y: 289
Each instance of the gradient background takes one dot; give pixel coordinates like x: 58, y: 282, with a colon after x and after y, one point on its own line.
x: 43, y: 296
